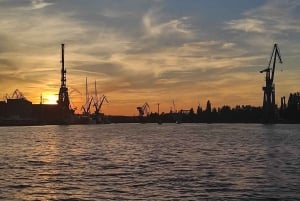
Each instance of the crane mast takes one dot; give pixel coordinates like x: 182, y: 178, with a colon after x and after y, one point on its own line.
x: 269, y: 107
x: 63, y: 96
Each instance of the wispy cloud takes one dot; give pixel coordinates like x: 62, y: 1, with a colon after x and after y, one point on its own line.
x: 274, y: 17
x: 247, y: 25
x: 154, y: 27
x: 38, y: 4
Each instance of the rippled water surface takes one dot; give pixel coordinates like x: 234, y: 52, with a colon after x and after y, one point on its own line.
x: 150, y: 162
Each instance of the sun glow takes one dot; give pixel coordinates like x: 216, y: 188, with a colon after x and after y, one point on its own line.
x: 50, y: 99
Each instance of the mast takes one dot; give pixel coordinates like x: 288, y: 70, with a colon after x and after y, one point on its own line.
x: 86, y: 91
x: 63, y: 70
x: 96, y: 95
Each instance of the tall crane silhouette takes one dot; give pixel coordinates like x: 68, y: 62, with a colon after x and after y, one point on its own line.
x: 269, y: 107
x: 63, y: 96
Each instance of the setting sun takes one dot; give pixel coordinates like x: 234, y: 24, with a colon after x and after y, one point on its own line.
x: 49, y: 99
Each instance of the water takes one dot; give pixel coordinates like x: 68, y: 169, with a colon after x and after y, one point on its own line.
x: 150, y: 162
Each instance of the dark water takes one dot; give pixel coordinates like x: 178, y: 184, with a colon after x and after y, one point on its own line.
x: 150, y: 162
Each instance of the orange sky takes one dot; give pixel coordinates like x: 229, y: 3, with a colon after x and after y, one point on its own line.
x: 149, y: 51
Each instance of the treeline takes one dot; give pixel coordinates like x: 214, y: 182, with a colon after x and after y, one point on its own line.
x: 225, y: 114
x: 286, y: 113
x: 290, y: 112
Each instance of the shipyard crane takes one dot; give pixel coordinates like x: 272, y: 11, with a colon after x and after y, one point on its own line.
x: 86, y: 108
x: 98, y: 103
x: 63, y: 95
x: 143, y: 109
x: 88, y: 101
x: 269, y: 90
x: 17, y: 94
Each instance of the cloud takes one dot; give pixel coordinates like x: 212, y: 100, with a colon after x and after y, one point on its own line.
x: 257, y: 29
x: 39, y: 4
x: 155, y: 27
x: 247, y: 25
x: 274, y: 17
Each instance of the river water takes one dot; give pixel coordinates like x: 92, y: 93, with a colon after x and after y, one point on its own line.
x: 150, y: 162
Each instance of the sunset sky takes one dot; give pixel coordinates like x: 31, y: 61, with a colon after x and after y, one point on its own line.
x: 154, y: 51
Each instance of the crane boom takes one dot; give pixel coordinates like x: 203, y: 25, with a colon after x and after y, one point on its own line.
x: 275, y: 54
x: 86, y: 108
x: 98, y: 103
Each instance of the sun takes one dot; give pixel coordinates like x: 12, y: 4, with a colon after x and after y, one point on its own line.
x: 50, y: 99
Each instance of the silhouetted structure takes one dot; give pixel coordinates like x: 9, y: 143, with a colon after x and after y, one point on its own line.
x: 269, y: 107
x: 291, y: 112
x: 142, y: 111
x: 283, y: 104
x: 98, y: 102
x: 19, y: 108
x: 63, y: 96
x: 46, y: 114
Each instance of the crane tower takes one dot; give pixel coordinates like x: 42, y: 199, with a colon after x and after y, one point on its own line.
x: 63, y: 96
x: 269, y: 107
